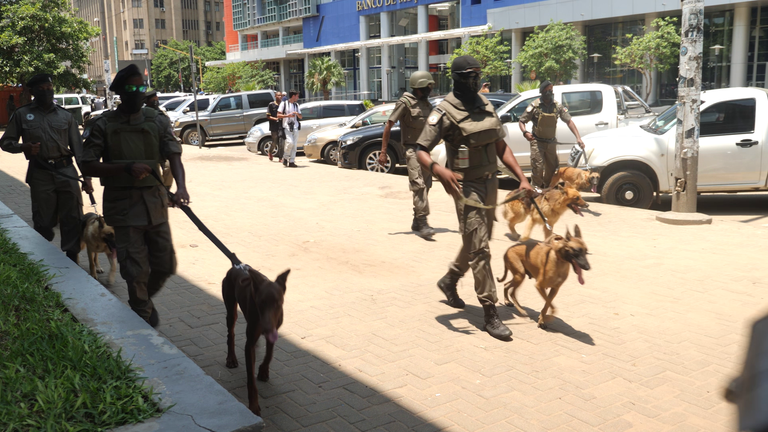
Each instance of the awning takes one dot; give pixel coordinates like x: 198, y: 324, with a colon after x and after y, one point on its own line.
x: 438, y: 35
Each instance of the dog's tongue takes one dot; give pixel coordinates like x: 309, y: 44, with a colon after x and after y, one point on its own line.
x: 576, y: 210
x: 272, y: 336
x: 114, y: 254
x: 577, y: 269
x: 594, y: 188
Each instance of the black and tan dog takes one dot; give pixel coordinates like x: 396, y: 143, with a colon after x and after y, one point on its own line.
x: 553, y: 203
x: 98, y: 237
x: 581, y: 180
x: 548, y: 263
x: 261, y: 301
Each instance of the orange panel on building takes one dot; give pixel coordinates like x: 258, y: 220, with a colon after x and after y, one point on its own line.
x: 230, y: 35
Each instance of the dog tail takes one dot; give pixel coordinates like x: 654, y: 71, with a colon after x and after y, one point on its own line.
x: 506, y: 268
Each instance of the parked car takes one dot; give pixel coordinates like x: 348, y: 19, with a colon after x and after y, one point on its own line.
x: 72, y: 102
x: 315, y: 116
x: 638, y: 161
x: 187, y: 105
x: 229, y: 116
x: 323, y: 144
x: 172, y: 104
x: 165, y: 97
x: 497, y: 99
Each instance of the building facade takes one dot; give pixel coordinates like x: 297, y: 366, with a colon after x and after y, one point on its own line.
x: 379, y: 43
x: 132, y: 30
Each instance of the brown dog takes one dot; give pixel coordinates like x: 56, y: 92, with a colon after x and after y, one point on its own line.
x: 548, y: 263
x: 579, y: 179
x: 98, y: 237
x: 261, y: 301
x: 552, y: 202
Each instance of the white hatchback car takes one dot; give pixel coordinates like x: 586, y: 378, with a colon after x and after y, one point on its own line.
x: 72, y: 100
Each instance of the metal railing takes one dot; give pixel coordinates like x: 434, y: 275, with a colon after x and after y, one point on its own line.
x: 293, y: 39
x: 266, y: 43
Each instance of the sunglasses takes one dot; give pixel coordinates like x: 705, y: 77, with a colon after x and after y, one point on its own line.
x: 133, y: 88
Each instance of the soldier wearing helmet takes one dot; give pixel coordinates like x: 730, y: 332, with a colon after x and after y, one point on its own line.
x: 411, y: 111
x: 474, y: 139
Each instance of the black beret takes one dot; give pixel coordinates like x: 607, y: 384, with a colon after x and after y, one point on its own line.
x: 460, y: 64
x: 543, y: 86
x: 151, y: 93
x: 39, y: 79
x: 122, y: 76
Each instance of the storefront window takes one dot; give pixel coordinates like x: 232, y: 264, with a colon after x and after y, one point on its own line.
x: 374, y: 26
x: 758, y: 48
x: 601, y: 39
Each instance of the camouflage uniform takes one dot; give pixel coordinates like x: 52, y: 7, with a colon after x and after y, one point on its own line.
x: 544, y: 161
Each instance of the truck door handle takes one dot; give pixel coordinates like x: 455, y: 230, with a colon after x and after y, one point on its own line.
x: 746, y: 143
x: 602, y: 123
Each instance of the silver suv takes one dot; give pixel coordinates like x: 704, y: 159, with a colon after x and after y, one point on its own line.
x: 229, y: 116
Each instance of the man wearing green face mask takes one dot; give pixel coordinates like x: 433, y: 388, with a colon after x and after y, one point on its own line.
x: 544, y: 112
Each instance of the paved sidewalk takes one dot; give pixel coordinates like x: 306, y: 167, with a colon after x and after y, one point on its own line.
x: 368, y: 343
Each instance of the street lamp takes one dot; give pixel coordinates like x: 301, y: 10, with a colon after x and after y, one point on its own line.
x: 717, y: 49
x: 595, y: 56
x: 441, y: 66
x: 386, y: 97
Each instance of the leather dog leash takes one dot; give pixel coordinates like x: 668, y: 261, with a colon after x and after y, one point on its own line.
x: 67, y: 176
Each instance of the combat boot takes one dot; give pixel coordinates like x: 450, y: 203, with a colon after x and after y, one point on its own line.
x: 493, y: 324
x: 422, y: 228
x: 447, y: 285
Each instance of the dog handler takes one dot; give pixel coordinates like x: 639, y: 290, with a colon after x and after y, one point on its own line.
x: 544, y: 112
x: 131, y: 142
x: 50, y: 139
x: 411, y: 111
x: 473, y: 138
x: 152, y: 101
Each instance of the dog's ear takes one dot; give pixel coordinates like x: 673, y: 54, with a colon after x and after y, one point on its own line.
x: 567, y: 234
x: 282, y: 278
x: 561, y: 184
x: 101, y: 223
x: 577, y: 231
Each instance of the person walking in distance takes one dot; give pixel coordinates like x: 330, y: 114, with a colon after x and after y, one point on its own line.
x: 544, y: 112
x: 123, y: 148
x: 50, y: 139
x: 474, y: 138
x: 10, y: 106
x: 275, y: 127
x: 411, y: 110
x: 290, y: 113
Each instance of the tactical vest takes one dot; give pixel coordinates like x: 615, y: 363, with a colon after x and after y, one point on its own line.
x: 411, y: 130
x: 546, y: 125
x: 479, y: 131
x: 127, y: 143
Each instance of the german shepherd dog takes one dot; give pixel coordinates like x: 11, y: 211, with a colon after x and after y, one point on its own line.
x: 552, y: 202
x: 98, y: 237
x: 581, y: 180
x: 261, y: 301
x: 548, y: 263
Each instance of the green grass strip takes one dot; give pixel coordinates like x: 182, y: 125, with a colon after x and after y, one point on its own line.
x: 55, y: 373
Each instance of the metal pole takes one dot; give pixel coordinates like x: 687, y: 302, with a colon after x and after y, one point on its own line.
x: 181, y: 82
x: 689, y: 101
x: 194, y: 92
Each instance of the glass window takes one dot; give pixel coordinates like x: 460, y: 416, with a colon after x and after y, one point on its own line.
x: 377, y: 117
x: 664, y: 122
x: 583, y: 103
x: 355, y: 109
x: 732, y: 117
x: 519, y: 109
x: 71, y: 101
x: 85, y: 100
x: 202, y: 104
x: 259, y: 100
x: 229, y: 103
x: 172, y: 105
x: 334, y: 111
x: 310, y: 113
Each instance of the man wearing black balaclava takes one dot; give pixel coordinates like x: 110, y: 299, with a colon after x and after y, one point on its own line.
x: 124, y: 147
x: 50, y: 140
x: 544, y: 112
x: 473, y: 138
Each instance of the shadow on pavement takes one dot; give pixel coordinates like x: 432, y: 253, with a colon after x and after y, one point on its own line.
x: 472, y: 316
x: 557, y: 325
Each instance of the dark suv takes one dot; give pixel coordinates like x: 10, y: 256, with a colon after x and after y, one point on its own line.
x: 361, y: 148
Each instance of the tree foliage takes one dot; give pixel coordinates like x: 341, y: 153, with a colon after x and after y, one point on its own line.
x: 323, y: 74
x: 491, y: 52
x: 239, y: 76
x: 655, y: 50
x: 552, y: 52
x: 166, y: 64
x: 527, y: 85
x: 44, y: 37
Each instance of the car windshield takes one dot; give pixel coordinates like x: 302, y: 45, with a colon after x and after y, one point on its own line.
x: 373, y: 112
x: 173, y: 104
x: 664, y: 122
x: 507, y: 105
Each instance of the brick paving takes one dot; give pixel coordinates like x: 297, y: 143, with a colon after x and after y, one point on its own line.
x: 368, y: 343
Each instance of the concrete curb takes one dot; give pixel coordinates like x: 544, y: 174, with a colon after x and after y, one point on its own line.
x: 677, y: 218
x: 201, y: 404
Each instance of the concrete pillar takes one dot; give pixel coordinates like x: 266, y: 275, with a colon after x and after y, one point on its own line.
x: 422, y: 26
x: 517, y: 45
x: 306, y: 70
x: 740, y: 46
x: 281, y: 32
x: 386, y: 27
x: 284, y: 76
x: 334, y: 57
x: 364, y: 58
x: 580, y: 72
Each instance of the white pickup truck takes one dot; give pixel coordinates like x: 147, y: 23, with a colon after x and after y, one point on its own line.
x: 638, y: 161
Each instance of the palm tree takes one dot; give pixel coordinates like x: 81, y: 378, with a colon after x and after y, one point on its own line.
x: 324, y: 74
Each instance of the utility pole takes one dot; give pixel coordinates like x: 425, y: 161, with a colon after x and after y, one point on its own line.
x: 194, y: 92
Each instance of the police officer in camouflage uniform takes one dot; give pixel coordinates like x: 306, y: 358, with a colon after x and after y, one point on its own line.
x: 123, y: 147
x: 411, y: 111
x: 544, y: 112
x: 50, y: 139
x: 152, y: 101
x: 470, y: 127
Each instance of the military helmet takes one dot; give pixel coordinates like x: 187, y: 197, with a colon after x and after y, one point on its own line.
x: 421, y: 79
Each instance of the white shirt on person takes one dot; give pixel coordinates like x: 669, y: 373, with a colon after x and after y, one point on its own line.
x: 287, y: 107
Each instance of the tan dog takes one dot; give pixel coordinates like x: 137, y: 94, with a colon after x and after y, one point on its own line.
x: 552, y: 202
x: 98, y: 237
x: 261, y: 301
x: 579, y: 179
x: 548, y: 263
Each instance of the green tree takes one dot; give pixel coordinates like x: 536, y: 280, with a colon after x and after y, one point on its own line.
x: 166, y: 64
x: 527, y: 85
x: 323, y: 75
x: 552, y: 51
x: 44, y: 37
x: 655, y: 50
x: 491, y: 52
x: 239, y: 76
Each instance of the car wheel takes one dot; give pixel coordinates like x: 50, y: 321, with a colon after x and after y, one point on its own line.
x: 191, y: 137
x: 629, y: 189
x: 270, y: 149
x: 370, y: 160
x: 263, y: 145
x: 331, y: 154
